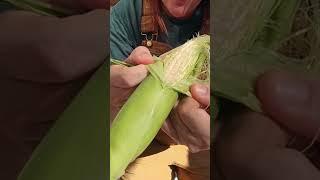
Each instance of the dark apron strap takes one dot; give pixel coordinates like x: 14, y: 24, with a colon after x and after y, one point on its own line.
x: 150, y: 30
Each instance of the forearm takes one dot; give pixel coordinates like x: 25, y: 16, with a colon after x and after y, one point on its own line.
x: 49, y: 49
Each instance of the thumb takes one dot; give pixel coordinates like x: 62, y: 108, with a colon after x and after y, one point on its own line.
x: 292, y: 100
x: 201, y: 93
x: 140, y: 55
x: 127, y: 77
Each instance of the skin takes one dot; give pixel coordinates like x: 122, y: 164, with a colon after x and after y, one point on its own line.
x: 255, y: 146
x: 38, y: 75
x: 180, y: 9
x: 40, y: 93
x: 189, y: 123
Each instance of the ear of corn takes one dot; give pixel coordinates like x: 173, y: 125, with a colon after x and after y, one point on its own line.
x: 143, y: 114
x: 138, y: 122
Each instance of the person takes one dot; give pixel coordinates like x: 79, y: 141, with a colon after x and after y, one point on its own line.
x: 159, y: 25
x: 140, y: 29
x: 282, y: 143
x: 123, y: 80
x: 44, y: 63
x: 191, y: 128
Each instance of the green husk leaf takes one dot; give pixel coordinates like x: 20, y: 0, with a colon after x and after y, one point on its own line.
x: 148, y: 106
x: 244, y: 68
x: 118, y: 62
x: 76, y: 145
x: 281, y: 24
x: 201, y: 65
x: 174, y: 72
x: 40, y: 7
x: 196, y: 52
x: 241, y: 28
x: 315, y: 43
x: 247, y: 47
x: 156, y: 70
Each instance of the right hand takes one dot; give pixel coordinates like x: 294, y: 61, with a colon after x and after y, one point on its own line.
x: 189, y: 122
x: 256, y: 146
x: 124, y: 80
x: 188, y: 113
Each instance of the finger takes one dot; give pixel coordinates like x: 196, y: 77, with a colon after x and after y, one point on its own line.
x: 201, y: 93
x: 196, y: 121
x: 190, y: 112
x: 280, y: 163
x: 247, y: 148
x: 292, y: 100
x: 247, y: 132
x: 127, y: 77
x: 140, y: 55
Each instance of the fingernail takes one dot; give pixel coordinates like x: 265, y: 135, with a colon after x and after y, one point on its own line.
x: 202, y: 90
x: 145, y: 58
x: 290, y: 90
x: 144, y: 55
x: 142, y: 69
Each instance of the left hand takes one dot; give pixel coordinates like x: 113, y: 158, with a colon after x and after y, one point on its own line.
x: 189, y: 122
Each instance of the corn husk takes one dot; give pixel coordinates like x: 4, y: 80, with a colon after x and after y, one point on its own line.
x: 142, y: 116
x: 40, y: 7
x: 249, y: 46
x: 76, y: 145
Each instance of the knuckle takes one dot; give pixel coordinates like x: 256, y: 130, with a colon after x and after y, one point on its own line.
x: 121, y: 77
x: 183, y: 107
x: 138, y: 54
x: 126, y: 79
x: 142, y: 49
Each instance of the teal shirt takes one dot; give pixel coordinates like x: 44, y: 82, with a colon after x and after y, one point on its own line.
x: 125, y: 33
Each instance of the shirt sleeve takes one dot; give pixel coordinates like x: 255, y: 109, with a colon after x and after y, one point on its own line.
x: 124, y: 28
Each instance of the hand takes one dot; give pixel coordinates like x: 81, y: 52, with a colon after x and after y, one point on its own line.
x: 189, y: 123
x: 254, y: 146
x: 124, y: 80
x: 190, y: 119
